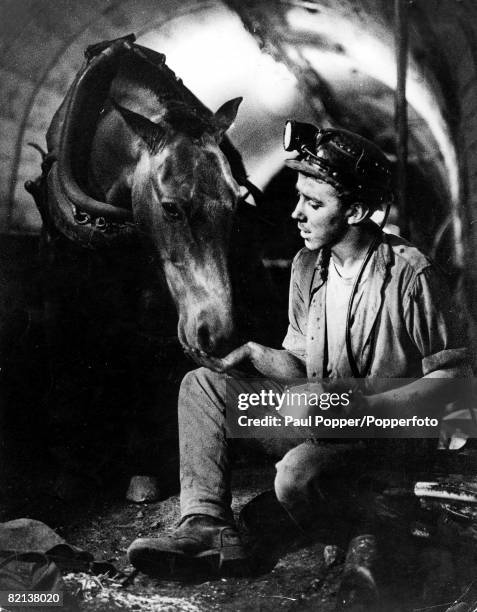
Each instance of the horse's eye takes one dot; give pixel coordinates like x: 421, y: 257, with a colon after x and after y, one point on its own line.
x: 172, y: 210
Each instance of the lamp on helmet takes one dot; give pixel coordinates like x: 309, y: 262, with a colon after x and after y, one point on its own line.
x: 297, y: 136
x: 339, y: 157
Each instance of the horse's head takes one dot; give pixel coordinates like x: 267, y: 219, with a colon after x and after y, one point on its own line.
x: 184, y: 197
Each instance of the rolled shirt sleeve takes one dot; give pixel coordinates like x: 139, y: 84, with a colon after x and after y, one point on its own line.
x: 434, y: 325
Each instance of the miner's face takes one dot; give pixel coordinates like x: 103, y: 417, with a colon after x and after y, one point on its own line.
x: 321, y: 216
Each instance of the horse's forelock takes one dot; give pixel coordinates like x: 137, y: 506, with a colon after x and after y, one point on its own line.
x: 198, y: 171
x: 211, y: 164
x: 187, y: 120
x: 174, y: 104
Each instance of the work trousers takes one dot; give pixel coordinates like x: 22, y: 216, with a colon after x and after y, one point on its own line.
x: 311, y: 479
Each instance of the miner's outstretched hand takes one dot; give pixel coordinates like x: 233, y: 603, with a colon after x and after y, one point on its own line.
x: 221, y: 364
x: 279, y: 365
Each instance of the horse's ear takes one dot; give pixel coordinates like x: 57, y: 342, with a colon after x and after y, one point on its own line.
x: 225, y: 116
x: 151, y: 133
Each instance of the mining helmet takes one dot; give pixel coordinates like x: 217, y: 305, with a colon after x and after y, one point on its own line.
x: 339, y: 157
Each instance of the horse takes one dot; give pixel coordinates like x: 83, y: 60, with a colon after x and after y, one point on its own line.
x: 139, y: 206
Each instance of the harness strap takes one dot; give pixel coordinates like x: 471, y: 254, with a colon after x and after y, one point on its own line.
x: 89, y: 233
x: 62, y: 202
x: 93, y: 75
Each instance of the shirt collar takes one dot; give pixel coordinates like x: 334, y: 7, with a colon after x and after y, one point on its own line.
x: 382, y: 261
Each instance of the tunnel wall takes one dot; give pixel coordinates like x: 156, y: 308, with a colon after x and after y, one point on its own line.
x: 42, y: 44
x: 41, y: 48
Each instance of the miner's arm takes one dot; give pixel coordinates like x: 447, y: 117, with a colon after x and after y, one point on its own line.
x: 435, y: 326
x: 424, y: 396
x: 280, y: 365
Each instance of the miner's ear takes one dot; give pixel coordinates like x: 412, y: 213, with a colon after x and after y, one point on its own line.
x: 358, y: 212
x: 225, y: 116
x: 151, y: 133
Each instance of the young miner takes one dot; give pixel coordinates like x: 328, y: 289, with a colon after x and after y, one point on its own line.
x: 399, y: 325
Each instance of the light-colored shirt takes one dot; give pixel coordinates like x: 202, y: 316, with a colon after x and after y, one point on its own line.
x: 338, y: 292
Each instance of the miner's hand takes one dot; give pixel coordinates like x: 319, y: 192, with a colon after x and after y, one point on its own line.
x: 357, y: 405
x: 278, y: 365
x: 223, y: 364
x: 303, y: 408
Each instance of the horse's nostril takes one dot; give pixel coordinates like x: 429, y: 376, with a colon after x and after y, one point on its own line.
x: 203, y: 337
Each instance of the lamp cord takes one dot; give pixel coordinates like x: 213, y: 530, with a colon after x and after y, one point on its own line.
x: 349, y: 349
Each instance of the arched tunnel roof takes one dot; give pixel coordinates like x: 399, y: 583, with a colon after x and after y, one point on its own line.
x: 331, y: 61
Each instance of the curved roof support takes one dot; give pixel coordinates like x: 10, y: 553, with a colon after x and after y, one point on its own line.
x: 400, y: 108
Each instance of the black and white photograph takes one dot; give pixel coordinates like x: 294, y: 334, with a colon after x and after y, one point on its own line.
x: 238, y: 306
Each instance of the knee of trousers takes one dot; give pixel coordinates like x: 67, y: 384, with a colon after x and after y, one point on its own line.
x: 297, y: 478
x: 195, y: 378
x: 190, y: 380
x: 196, y: 381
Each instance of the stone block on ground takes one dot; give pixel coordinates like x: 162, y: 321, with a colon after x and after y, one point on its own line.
x: 143, y: 489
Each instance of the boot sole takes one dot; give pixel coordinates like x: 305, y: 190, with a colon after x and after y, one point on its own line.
x: 231, y: 561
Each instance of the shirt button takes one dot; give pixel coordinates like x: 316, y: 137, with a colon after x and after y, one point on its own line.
x: 313, y: 373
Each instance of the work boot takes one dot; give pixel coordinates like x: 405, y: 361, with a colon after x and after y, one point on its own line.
x: 200, y: 544
x: 268, y: 531
x: 358, y: 591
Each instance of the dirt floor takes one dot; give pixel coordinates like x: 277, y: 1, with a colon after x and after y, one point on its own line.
x: 423, y: 573
x: 105, y: 527
x: 294, y: 582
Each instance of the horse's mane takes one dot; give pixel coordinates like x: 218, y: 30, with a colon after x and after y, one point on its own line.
x: 145, y: 71
x: 178, y: 107
x: 187, y: 120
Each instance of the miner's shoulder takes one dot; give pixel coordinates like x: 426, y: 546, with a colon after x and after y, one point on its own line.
x: 407, y: 254
x: 305, y: 259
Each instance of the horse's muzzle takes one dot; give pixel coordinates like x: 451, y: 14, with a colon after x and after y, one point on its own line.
x: 210, y: 332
